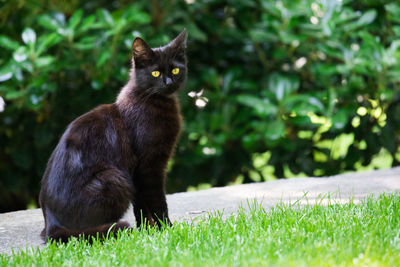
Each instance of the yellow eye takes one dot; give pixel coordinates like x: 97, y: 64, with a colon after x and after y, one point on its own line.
x: 175, y: 71
x: 155, y: 73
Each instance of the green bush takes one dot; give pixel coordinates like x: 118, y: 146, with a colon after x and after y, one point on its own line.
x: 275, y: 88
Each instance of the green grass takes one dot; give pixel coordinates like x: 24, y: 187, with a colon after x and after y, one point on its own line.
x: 364, y: 234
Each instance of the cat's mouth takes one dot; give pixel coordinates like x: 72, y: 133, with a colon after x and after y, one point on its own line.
x: 169, y: 90
x: 160, y: 91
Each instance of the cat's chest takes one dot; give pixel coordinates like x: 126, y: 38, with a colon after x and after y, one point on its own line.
x: 156, y: 130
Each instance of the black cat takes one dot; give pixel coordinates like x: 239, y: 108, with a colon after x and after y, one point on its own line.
x: 117, y: 153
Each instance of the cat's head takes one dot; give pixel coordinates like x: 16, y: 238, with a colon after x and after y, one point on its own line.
x: 160, y: 71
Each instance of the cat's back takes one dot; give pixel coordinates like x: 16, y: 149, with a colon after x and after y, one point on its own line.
x: 93, y: 140
x: 95, y: 123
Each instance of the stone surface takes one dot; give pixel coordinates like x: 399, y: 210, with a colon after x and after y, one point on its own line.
x: 21, y: 229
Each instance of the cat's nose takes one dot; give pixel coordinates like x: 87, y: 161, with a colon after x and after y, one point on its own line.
x: 168, y: 81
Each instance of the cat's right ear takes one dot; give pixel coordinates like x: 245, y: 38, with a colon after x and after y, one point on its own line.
x: 142, y: 52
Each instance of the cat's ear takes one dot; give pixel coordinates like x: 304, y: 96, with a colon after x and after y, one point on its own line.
x: 141, y: 51
x: 179, y: 43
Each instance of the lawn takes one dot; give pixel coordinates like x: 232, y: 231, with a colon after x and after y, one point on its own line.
x: 363, y: 234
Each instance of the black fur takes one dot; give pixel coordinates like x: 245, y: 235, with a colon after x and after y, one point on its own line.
x: 117, y: 153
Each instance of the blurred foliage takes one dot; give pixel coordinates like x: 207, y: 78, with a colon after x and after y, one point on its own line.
x: 275, y: 88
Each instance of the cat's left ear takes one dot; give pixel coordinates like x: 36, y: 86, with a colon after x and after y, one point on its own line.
x: 141, y: 51
x: 179, y: 43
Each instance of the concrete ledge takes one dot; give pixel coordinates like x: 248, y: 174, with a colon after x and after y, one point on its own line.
x: 21, y: 229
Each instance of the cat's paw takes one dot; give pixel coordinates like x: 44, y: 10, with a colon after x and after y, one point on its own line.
x: 122, y: 225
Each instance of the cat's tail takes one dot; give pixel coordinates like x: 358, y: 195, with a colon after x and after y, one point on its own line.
x: 60, y: 234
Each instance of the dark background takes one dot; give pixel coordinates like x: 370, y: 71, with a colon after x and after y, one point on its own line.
x: 275, y: 89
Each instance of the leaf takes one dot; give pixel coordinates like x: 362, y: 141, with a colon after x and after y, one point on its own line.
x: 261, y: 35
x: 29, y: 36
x: 367, y: 17
x: 135, y: 14
x: 6, y: 73
x: 87, y: 23
x: 303, y: 121
x: 105, y: 16
x: 120, y: 24
x: 44, y: 61
x: 250, y: 141
x: 230, y: 76
x: 275, y: 130
x: 47, y: 41
x: 20, y: 54
x: 66, y: 32
x: 262, y: 106
x: 8, y: 43
x: 14, y: 94
x: 195, y: 32
x: 2, y: 104
x: 75, y: 19
x: 49, y: 22
x: 386, y: 94
x: 84, y: 46
x: 5, y: 76
x: 324, y: 69
x: 316, y: 103
x: 104, y: 56
x: 86, y: 43
x: 339, y: 120
x: 26, y: 65
x: 141, y: 18
x: 96, y: 84
x: 301, y: 104
x: 282, y: 85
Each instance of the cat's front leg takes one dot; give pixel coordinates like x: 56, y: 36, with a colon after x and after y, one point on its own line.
x: 141, y: 212
x: 149, y: 201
